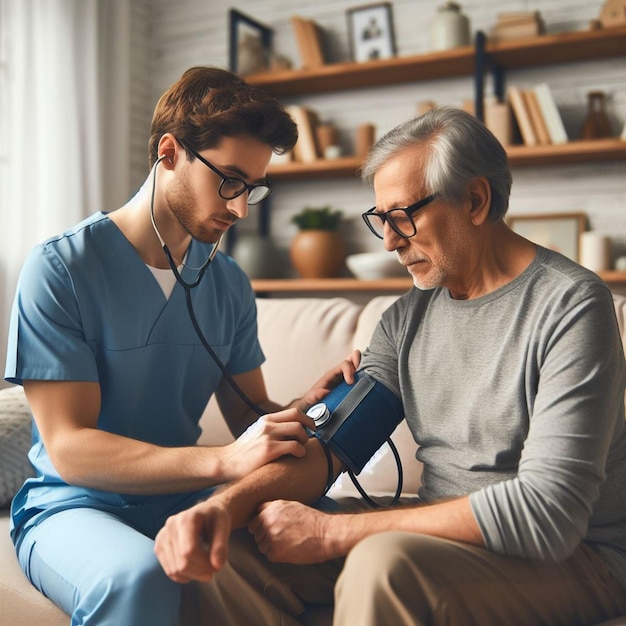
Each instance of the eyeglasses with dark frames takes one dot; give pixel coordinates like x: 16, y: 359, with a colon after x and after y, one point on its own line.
x: 232, y: 187
x: 400, y: 219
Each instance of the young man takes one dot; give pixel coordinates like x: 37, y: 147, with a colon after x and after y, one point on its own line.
x: 508, y: 360
x: 122, y: 329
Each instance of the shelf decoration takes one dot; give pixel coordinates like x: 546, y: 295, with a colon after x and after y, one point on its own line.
x: 517, y: 26
x: 597, y: 124
x: 450, y: 28
x: 309, y: 39
x: 537, y: 115
x: 613, y: 13
x: 250, y: 44
x: 256, y: 255
x: 370, y: 31
x: 318, y: 250
x: 556, y: 231
x: 306, y: 149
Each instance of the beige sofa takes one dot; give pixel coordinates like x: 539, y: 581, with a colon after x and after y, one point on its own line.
x: 302, y: 337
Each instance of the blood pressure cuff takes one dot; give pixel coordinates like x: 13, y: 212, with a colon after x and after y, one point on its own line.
x: 356, y: 420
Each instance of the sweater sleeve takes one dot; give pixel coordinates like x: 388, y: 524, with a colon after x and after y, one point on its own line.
x: 543, y: 512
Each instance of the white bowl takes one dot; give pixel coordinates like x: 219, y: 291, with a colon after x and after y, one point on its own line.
x: 375, y: 265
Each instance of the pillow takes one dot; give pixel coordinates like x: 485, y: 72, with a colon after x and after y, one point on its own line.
x: 15, y: 442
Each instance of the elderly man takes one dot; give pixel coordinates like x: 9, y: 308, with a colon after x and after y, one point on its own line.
x: 507, y: 359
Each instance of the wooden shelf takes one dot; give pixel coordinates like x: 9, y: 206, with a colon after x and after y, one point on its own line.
x: 345, y: 76
x: 519, y: 156
x: 613, y: 277
x: 353, y: 285
x: 343, y: 167
x: 571, y: 152
x: 587, y: 45
x: 528, y: 52
x: 291, y: 285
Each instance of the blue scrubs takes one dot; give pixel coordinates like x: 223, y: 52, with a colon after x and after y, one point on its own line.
x: 88, y: 309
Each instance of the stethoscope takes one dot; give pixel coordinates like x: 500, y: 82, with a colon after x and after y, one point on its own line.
x: 188, y: 286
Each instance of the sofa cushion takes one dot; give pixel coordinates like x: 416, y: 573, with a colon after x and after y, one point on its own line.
x: 302, y: 338
x: 20, y: 602
x: 15, y: 440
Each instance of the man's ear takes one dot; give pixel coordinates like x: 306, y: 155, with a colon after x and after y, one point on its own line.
x: 479, y: 191
x: 168, y: 147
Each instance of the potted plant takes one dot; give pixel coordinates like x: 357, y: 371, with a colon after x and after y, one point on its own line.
x: 318, y: 250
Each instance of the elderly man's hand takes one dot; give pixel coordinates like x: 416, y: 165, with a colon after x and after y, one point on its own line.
x: 290, y: 532
x: 343, y: 371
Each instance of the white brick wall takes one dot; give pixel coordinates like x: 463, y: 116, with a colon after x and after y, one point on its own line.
x: 195, y: 32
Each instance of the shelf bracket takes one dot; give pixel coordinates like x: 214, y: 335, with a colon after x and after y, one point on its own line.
x: 484, y: 61
x: 264, y: 217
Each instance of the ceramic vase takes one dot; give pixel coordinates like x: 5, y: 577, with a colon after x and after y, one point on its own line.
x: 318, y: 253
x: 596, y: 124
x: 450, y: 28
x: 256, y: 255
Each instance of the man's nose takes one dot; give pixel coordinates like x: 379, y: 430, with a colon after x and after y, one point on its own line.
x: 239, y: 206
x: 391, y: 239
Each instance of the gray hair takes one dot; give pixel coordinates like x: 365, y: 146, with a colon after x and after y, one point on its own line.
x: 461, y: 148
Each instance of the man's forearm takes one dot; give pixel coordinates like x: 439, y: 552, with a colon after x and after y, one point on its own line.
x: 288, y: 478
x: 452, y: 519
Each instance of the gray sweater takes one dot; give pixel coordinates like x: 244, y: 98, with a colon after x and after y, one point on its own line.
x: 517, y: 399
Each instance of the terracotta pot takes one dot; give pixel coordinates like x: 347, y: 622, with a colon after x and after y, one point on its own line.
x: 318, y: 253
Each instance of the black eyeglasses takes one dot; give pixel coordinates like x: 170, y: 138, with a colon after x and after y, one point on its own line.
x: 233, y: 187
x: 400, y: 219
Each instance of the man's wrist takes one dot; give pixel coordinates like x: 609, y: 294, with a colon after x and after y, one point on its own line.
x: 337, y: 535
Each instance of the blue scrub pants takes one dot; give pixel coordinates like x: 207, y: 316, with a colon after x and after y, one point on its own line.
x: 99, y: 566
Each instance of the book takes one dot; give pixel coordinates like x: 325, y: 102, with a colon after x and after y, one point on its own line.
x: 536, y: 117
x: 518, y: 16
x: 314, y: 36
x: 308, y: 39
x: 506, y: 32
x: 554, y: 122
x: 517, y: 25
x: 522, y: 117
x: 305, y: 149
x: 498, y: 120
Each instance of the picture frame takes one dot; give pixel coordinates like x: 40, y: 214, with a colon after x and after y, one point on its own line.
x: 556, y: 231
x: 250, y: 44
x: 370, y: 32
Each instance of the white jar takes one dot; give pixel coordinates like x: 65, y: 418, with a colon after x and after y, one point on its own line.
x: 450, y: 28
x: 595, y: 251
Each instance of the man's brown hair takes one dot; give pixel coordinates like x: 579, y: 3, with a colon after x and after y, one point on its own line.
x: 208, y: 103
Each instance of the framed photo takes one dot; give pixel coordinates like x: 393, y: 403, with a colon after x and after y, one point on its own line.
x: 556, y: 231
x: 370, y: 30
x: 250, y: 44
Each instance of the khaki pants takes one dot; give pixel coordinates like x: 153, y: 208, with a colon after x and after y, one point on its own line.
x: 397, y: 578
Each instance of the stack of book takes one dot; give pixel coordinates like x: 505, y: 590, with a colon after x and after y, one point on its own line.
x: 517, y: 25
x: 537, y: 115
x: 308, y: 38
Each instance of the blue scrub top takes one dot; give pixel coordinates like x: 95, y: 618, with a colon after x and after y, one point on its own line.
x: 88, y: 309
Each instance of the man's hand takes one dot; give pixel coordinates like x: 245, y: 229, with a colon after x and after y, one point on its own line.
x: 270, y: 437
x: 343, y: 371
x: 290, y: 532
x: 193, y: 545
